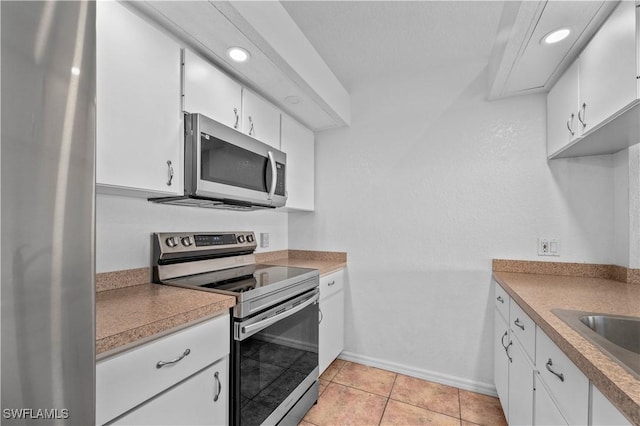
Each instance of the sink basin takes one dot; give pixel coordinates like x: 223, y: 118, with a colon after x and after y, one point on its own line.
x: 616, y: 335
x: 623, y: 331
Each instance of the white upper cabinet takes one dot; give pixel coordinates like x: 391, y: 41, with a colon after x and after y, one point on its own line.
x: 562, y: 110
x: 608, y: 68
x: 593, y: 108
x: 260, y: 119
x: 210, y: 92
x: 139, y: 122
x: 298, y: 143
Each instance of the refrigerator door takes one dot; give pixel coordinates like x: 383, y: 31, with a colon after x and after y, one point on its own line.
x: 47, y: 212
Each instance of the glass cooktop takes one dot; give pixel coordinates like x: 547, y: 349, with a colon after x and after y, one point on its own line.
x: 242, y: 279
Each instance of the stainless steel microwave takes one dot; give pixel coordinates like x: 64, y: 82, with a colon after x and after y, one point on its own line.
x: 224, y: 168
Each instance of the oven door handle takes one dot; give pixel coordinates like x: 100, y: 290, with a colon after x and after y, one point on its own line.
x: 253, y: 328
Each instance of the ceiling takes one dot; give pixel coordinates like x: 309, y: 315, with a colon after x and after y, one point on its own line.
x: 369, y: 40
x: 315, y: 49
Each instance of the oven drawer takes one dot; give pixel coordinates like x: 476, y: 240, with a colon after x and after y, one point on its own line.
x: 127, y: 379
x: 331, y: 283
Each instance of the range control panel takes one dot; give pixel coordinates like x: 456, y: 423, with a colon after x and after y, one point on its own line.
x: 181, y: 242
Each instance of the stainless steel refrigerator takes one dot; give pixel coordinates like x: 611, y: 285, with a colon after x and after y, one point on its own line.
x: 47, y: 212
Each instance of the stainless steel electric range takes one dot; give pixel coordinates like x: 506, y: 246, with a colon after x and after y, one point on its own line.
x: 274, y: 336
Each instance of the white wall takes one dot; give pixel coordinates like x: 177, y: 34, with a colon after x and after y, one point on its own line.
x: 634, y: 206
x: 124, y: 226
x: 427, y: 185
x: 621, y: 208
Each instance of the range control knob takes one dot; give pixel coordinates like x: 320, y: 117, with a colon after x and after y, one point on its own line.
x: 172, y: 241
x: 241, y: 239
x: 250, y: 238
x: 186, y: 241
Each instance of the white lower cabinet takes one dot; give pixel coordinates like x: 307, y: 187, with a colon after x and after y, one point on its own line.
x: 168, y: 374
x: 603, y: 412
x: 200, y: 400
x: 331, y: 333
x: 520, y: 386
x: 536, y: 382
x: 545, y: 411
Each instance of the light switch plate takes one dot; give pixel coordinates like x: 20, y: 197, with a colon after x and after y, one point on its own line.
x: 548, y: 246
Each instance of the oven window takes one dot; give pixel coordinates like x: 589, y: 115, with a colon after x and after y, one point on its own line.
x: 274, y: 362
x: 222, y: 162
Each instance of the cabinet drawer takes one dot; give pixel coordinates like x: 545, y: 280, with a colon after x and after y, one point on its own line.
x: 501, y: 301
x: 566, y: 384
x: 130, y: 378
x: 331, y: 283
x: 524, y: 329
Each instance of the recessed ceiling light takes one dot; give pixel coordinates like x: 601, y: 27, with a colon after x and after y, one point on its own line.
x: 556, y: 36
x: 75, y: 70
x: 238, y: 54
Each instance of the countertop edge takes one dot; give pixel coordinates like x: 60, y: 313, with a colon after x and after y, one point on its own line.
x: 623, y: 401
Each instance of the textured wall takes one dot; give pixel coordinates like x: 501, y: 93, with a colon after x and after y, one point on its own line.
x: 124, y: 226
x: 428, y: 184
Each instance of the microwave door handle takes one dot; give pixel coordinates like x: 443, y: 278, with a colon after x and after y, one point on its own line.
x: 261, y: 325
x: 274, y: 176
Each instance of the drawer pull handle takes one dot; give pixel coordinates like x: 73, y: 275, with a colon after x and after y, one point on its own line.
x: 235, y: 112
x: 161, y: 364
x: 500, y: 299
x: 519, y: 324
x: 558, y: 375
x: 331, y: 283
x: 506, y: 349
x: 321, y: 316
x: 216, y: 376
x: 170, y: 168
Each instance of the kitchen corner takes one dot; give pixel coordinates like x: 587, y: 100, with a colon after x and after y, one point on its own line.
x: 541, y: 288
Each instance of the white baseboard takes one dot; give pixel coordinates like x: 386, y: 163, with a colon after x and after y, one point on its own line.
x: 432, y: 376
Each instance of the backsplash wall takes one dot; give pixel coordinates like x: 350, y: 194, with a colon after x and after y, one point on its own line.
x: 429, y: 183
x: 124, y: 226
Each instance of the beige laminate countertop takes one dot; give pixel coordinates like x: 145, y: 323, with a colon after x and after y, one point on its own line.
x: 131, y: 315
x: 130, y: 310
x: 538, y: 294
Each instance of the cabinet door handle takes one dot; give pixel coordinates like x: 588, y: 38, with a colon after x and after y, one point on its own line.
x: 506, y: 333
x: 506, y: 349
x: 161, y: 364
x: 331, y: 283
x: 216, y: 377
x: 500, y: 299
x: 235, y: 111
x: 170, y: 168
x: 558, y: 375
x: 251, y: 131
x: 582, y: 114
x: 321, y: 316
x: 519, y: 324
x: 570, y: 125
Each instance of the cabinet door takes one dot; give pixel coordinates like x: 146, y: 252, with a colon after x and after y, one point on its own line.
x: 520, y: 387
x: 210, y: 92
x: 331, y: 337
x: 500, y: 360
x: 298, y: 143
x: 202, y: 399
x: 604, y: 412
x: 608, y: 67
x: 545, y: 411
x: 139, y: 122
x: 563, y: 103
x: 260, y: 119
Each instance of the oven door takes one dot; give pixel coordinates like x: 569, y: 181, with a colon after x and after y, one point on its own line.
x: 227, y: 164
x: 275, y: 361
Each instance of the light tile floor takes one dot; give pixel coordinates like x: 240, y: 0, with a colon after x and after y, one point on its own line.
x: 354, y: 394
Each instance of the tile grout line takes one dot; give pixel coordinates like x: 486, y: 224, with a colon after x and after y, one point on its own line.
x: 386, y: 403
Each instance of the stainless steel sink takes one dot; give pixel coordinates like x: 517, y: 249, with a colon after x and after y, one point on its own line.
x: 618, y: 336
